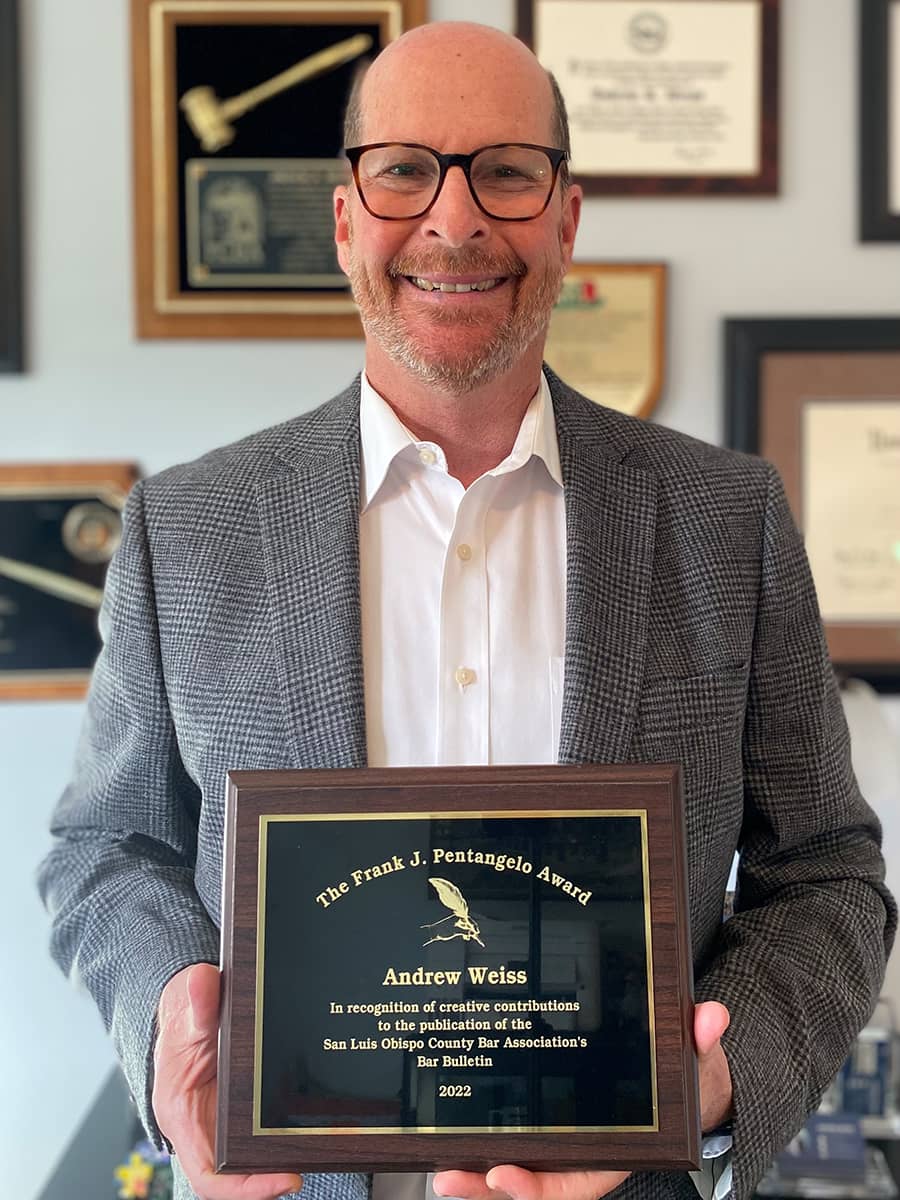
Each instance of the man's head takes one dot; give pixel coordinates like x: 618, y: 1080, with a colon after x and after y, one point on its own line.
x: 456, y: 87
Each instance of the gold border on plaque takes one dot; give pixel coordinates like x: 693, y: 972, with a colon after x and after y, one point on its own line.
x: 607, y: 335
x: 162, y: 309
x: 107, y: 481
x: 517, y: 814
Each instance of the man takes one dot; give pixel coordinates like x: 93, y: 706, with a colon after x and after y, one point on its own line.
x: 421, y: 528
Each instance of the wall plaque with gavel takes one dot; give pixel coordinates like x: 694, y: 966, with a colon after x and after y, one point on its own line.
x: 238, y: 113
x: 456, y: 968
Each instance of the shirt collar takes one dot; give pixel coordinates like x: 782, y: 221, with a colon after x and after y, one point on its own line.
x: 383, y: 437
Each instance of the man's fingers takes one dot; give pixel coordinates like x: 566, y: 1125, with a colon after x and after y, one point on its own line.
x: 203, y: 990
x: 519, y: 1184
x: 711, y: 1019
x: 245, y: 1187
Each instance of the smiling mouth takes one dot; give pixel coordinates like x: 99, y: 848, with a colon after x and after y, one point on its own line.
x: 428, y: 285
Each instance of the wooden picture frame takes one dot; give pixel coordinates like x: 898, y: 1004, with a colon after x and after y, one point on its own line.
x: 607, y: 334
x: 359, y: 1064
x: 646, y: 99
x: 879, y: 120
x: 11, y: 315
x: 820, y: 398
x: 59, y: 526
x: 233, y: 182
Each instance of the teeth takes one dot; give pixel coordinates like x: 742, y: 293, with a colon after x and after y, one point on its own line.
x: 426, y: 285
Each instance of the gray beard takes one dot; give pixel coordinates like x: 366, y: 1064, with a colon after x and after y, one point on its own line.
x: 461, y: 373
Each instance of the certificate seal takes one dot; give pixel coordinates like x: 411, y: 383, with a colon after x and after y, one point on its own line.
x: 91, y: 532
x: 648, y: 32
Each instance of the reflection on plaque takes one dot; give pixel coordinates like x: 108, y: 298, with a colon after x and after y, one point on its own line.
x: 456, y: 967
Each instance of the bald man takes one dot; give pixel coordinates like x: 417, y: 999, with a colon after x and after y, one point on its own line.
x: 460, y: 505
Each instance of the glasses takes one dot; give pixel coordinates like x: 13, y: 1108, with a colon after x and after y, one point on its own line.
x: 399, y: 181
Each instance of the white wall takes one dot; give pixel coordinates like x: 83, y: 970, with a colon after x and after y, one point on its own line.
x: 93, y: 391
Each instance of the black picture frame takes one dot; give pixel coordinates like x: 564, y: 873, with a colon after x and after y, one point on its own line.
x: 11, y: 347
x: 878, y: 53
x: 828, y: 352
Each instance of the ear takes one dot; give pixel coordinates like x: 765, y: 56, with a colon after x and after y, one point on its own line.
x: 571, y: 215
x: 341, y: 200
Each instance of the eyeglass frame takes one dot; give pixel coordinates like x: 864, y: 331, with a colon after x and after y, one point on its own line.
x: 445, y: 161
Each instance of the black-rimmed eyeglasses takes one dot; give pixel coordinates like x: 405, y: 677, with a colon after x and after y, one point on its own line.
x: 399, y: 181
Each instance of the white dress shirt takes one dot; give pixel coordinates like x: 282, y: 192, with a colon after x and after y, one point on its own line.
x: 463, y: 596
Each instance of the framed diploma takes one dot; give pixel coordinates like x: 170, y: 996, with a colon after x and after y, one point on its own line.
x: 238, y: 114
x: 426, y: 969
x: 11, y: 354
x: 666, y: 97
x: 820, y: 398
x: 879, y: 118
x: 607, y: 334
x: 60, y: 524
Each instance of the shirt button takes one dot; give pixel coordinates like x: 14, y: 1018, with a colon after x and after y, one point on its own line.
x: 464, y: 551
x: 428, y: 457
x: 464, y: 676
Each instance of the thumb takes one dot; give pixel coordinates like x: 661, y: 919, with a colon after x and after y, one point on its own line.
x: 203, y: 990
x: 711, y: 1019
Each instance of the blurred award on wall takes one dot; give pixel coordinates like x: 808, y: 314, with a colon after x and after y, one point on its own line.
x: 238, y: 113
x: 60, y: 524
x: 664, y: 96
x: 456, y: 967
x: 607, y: 335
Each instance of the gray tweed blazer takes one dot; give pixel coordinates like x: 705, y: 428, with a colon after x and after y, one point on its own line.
x: 231, y: 630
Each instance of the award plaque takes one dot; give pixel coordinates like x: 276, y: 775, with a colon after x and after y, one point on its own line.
x: 820, y: 398
x: 456, y: 968
x: 238, y: 128
x: 664, y: 96
x: 60, y: 524
x: 607, y: 335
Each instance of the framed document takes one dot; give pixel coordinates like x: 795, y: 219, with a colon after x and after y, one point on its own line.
x: 440, y: 968
x: 607, y: 334
x: 238, y: 114
x: 60, y: 524
x: 666, y: 97
x: 11, y: 354
x: 879, y: 120
x: 820, y: 398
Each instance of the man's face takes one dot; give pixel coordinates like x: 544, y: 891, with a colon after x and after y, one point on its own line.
x: 456, y: 94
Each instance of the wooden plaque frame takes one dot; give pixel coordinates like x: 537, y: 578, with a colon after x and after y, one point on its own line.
x: 255, y: 799
x: 164, y: 307
x: 764, y: 182
x: 879, y: 142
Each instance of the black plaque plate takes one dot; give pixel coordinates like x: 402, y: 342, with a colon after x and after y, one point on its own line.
x: 456, y: 969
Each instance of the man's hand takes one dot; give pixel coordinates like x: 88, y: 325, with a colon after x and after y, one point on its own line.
x: 184, y: 1088
x: 710, y: 1022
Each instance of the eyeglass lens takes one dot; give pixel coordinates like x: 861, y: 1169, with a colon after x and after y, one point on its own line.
x: 401, y: 181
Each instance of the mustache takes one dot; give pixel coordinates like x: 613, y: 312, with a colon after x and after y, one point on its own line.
x: 469, y: 261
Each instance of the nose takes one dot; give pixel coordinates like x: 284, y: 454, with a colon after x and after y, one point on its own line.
x: 454, y: 217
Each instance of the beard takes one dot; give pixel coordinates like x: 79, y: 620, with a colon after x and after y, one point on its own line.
x: 488, y: 349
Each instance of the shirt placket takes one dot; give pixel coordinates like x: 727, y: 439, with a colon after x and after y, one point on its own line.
x: 464, y: 666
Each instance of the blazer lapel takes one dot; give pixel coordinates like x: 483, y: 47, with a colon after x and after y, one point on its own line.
x: 610, y: 529
x: 310, y: 525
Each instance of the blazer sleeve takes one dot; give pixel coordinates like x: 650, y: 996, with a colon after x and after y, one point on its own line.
x: 801, y: 962
x: 119, y: 879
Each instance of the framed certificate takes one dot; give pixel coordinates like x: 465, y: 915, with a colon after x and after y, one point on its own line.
x: 440, y: 968
x: 238, y: 114
x: 879, y: 120
x: 60, y: 524
x: 820, y: 398
x: 11, y: 353
x: 607, y: 335
x: 668, y: 97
